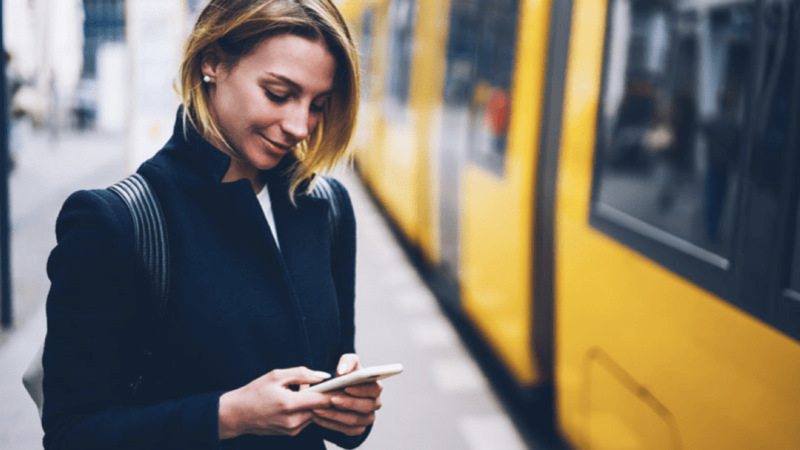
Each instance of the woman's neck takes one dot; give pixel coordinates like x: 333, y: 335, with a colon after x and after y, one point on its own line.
x: 238, y: 170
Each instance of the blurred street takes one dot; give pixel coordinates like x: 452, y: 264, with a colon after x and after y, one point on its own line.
x: 442, y: 400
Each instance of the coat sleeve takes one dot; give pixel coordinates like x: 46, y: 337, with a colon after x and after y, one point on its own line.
x: 92, y: 331
x: 344, y: 277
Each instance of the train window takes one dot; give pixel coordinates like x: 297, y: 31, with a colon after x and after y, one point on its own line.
x: 480, y: 63
x: 672, y: 120
x: 777, y: 134
x: 402, y: 17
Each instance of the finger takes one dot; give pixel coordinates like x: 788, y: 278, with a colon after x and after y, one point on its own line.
x: 347, y: 363
x: 290, y: 425
x: 299, y: 376
x: 346, y: 418
x: 356, y: 404
x: 371, y: 390
x: 347, y: 423
x: 305, y: 400
x: 350, y: 431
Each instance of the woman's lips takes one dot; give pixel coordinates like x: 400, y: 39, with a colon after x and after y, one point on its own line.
x: 276, y: 147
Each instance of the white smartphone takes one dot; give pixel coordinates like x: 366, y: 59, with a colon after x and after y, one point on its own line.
x: 365, y: 375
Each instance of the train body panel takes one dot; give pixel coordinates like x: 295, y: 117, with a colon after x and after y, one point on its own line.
x: 431, y: 36
x: 395, y: 122
x: 390, y: 148
x: 647, y: 359
x: 495, y: 261
x: 366, y: 17
x: 666, y: 334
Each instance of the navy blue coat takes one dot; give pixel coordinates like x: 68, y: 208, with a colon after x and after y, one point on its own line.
x: 238, y: 308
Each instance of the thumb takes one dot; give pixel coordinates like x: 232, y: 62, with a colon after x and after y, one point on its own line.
x: 300, y: 375
x: 347, y: 363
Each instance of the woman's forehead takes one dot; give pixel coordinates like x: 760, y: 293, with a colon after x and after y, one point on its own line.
x: 302, y: 63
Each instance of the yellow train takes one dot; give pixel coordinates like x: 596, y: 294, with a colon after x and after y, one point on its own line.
x: 609, y: 190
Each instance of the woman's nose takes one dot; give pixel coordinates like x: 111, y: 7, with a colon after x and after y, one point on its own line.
x: 296, y: 123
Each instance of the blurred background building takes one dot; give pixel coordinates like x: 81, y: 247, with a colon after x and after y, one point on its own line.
x: 106, y: 65
x: 44, y: 44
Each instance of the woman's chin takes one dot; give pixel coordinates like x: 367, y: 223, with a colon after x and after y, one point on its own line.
x: 268, y: 161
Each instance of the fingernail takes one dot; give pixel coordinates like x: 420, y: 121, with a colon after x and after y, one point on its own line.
x: 323, y: 375
x: 337, y: 401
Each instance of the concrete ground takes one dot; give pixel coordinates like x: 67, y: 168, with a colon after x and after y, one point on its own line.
x: 441, y: 401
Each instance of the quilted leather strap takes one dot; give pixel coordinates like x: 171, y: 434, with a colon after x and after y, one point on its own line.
x: 327, y: 190
x: 152, y: 250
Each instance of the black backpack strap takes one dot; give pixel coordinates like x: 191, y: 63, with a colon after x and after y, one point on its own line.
x: 152, y: 250
x: 330, y: 190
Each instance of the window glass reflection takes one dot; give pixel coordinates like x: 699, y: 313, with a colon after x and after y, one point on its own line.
x: 480, y: 63
x: 775, y: 130
x: 672, y: 117
x: 366, y: 52
x: 402, y: 17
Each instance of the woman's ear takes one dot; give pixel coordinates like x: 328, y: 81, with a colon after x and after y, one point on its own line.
x: 210, y: 63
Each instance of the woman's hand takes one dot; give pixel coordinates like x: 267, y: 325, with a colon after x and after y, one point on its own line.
x: 267, y: 406
x: 353, y: 407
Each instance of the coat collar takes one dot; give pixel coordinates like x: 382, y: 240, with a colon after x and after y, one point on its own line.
x: 209, y: 164
x: 297, y: 224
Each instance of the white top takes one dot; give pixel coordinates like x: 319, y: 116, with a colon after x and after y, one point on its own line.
x: 266, y: 206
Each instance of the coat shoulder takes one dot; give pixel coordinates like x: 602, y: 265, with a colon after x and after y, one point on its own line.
x: 99, y: 210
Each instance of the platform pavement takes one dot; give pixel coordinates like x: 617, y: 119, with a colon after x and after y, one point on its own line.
x: 441, y: 401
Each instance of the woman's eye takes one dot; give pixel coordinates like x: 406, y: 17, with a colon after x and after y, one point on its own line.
x: 275, y: 97
x: 318, y: 107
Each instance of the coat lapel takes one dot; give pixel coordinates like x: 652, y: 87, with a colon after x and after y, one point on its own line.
x: 304, y: 238
x: 241, y: 214
x: 304, y: 235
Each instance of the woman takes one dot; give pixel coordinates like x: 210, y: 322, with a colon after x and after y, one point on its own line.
x: 256, y: 309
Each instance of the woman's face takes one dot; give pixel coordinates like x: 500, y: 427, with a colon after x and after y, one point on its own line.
x: 272, y: 98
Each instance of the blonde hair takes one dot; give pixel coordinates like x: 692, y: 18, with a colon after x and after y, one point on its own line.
x: 234, y: 28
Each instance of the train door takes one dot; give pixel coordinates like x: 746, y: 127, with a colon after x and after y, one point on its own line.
x: 454, y: 134
x: 544, y: 227
x: 494, y: 78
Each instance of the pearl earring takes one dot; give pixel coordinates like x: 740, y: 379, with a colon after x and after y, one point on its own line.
x: 207, y: 79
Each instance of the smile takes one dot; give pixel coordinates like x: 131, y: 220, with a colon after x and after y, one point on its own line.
x: 274, y: 146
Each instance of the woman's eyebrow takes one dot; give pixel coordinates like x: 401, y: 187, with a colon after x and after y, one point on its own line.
x: 294, y: 86
x: 285, y: 80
